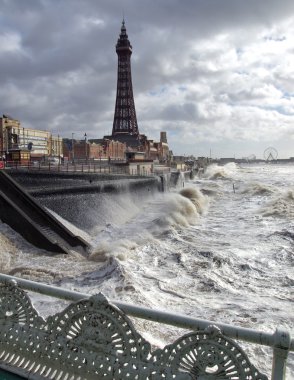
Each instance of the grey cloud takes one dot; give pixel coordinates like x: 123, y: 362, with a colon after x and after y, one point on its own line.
x: 63, y: 76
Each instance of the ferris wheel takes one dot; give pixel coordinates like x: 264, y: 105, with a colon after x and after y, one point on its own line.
x: 270, y: 154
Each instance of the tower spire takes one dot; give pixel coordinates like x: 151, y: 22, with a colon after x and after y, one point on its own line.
x: 125, y: 120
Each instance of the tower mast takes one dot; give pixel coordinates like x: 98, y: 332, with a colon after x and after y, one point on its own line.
x: 125, y: 120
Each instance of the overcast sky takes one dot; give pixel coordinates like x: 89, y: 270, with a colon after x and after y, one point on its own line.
x: 216, y: 75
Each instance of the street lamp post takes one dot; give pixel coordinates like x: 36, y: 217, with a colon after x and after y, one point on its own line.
x: 72, y: 147
x: 7, y: 140
x: 86, y: 153
x: 58, y: 147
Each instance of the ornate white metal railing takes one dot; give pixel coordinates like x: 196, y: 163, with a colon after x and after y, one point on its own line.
x: 94, y: 339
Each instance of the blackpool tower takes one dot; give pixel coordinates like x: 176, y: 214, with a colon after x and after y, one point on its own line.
x: 125, y: 126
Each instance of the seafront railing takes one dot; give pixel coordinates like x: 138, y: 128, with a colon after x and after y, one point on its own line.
x: 93, y: 338
x: 104, y: 167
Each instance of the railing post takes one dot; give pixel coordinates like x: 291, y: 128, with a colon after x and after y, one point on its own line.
x: 280, y: 354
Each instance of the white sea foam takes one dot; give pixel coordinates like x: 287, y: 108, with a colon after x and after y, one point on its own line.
x: 281, y: 206
x: 174, y: 210
x: 220, y: 172
x: 105, y: 249
x: 256, y: 188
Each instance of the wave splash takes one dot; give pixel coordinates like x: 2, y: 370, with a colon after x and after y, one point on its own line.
x: 181, y: 209
x: 157, y: 218
x: 225, y: 172
x: 256, y: 188
x: 282, y: 206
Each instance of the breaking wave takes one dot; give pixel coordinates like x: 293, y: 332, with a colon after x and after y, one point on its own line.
x: 258, y: 189
x: 196, y: 197
x: 174, y: 210
x: 120, y: 249
x: 282, y: 206
x: 182, y: 209
x: 226, y: 172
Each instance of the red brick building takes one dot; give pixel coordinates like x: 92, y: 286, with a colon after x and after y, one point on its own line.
x: 93, y: 149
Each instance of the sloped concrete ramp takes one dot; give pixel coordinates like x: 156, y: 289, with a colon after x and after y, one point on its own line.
x: 21, y: 212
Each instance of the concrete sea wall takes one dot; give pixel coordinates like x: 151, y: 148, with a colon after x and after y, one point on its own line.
x: 84, y: 198
x: 48, y: 183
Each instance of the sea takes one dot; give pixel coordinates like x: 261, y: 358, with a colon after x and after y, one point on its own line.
x: 218, y: 247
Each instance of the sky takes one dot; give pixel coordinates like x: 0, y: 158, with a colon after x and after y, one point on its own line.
x: 216, y: 75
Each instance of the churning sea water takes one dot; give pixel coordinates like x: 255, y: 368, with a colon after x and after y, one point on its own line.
x: 221, y: 248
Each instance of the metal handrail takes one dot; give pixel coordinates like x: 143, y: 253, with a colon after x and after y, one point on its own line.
x: 280, y: 340
x: 174, y: 319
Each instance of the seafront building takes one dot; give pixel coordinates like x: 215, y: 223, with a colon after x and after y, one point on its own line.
x: 21, y: 144
x: 93, y: 149
x: 27, y: 144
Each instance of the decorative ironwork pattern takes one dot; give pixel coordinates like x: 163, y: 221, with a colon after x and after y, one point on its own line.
x: 125, y: 120
x: 206, y: 355
x: 16, y: 307
x: 100, y: 332
x: 93, y: 339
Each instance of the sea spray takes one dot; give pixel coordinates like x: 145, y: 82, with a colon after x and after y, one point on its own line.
x: 256, y: 188
x: 199, y: 200
x: 174, y: 210
x: 120, y: 249
x: 179, y: 210
x: 282, y: 206
x: 226, y: 172
x: 5, y: 260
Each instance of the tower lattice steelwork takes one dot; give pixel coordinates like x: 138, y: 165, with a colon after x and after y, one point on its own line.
x: 125, y: 120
